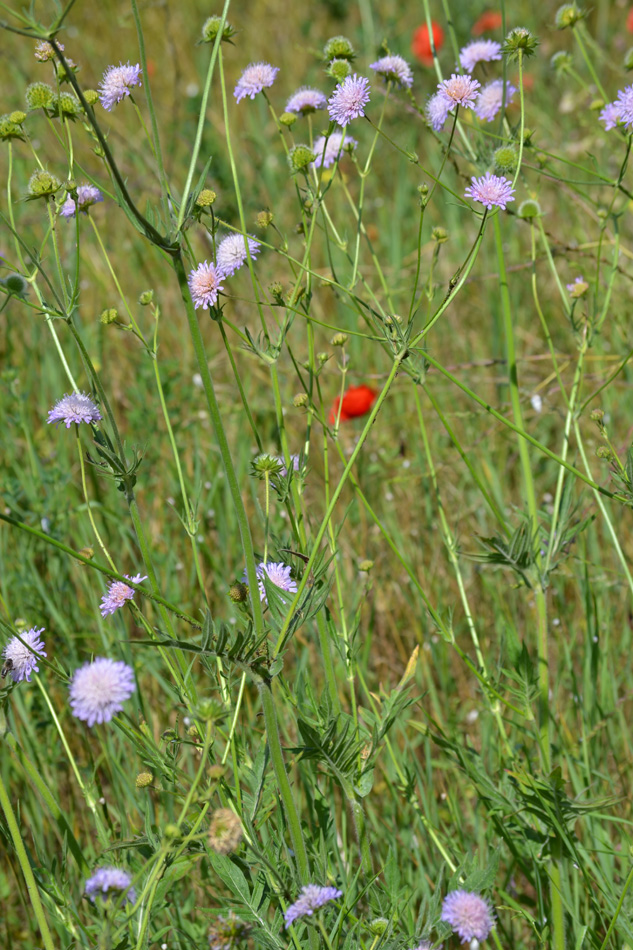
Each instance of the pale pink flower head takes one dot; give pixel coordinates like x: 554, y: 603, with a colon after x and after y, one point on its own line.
x: 117, y: 83
x: 394, y: 69
x: 349, y: 99
x: 312, y: 897
x: 437, y: 110
x: 624, y: 105
x: 205, y: 283
x: 254, y: 79
x: 469, y: 914
x: 490, y: 99
x: 231, y: 254
x: 107, y: 879
x: 278, y: 574
x: 610, y: 115
x: 87, y: 195
x: 118, y: 594
x: 479, y: 51
x: 327, y: 150
x: 74, y: 407
x: 21, y: 653
x: 44, y: 51
x: 99, y: 689
x: 491, y: 190
x: 306, y: 100
x: 459, y: 91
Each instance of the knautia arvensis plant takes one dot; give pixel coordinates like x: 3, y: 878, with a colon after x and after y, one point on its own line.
x: 315, y: 592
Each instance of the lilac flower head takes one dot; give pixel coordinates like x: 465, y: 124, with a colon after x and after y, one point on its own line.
x: 109, y: 879
x: 205, y: 283
x: 255, y: 77
x: 624, y: 105
x: 459, y: 91
x: 327, y: 150
x: 99, y: 689
x: 480, y: 51
x: 117, y: 83
x: 470, y: 915
x: 294, y: 460
x: 306, y: 100
x: 491, y: 190
x: 349, y: 99
x: 312, y: 897
x: 578, y: 288
x: 21, y: 662
x: 278, y: 574
x: 437, y: 109
x: 118, y: 593
x: 232, y: 253
x: 87, y: 195
x: 610, y: 115
x: 75, y: 407
x: 490, y: 99
x: 395, y: 69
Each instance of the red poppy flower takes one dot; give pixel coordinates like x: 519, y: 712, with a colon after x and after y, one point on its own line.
x: 629, y: 21
x: 357, y: 401
x: 490, y: 20
x: 421, y: 42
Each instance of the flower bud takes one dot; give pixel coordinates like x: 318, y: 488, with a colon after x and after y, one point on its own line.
x: 264, y: 219
x: 597, y: 415
x: 171, y: 831
x: 338, y: 47
x: 206, y: 198
x: 16, y: 285
x: 288, y: 119
x: 211, y: 29
x: 365, y: 566
x: 339, y: 339
x: 520, y: 41
x: 109, y: 316
x: 339, y: 69
x: 300, y: 157
x: 238, y: 593
x: 300, y: 400
x: 18, y: 117
x: 146, y: 298
x: 9, y: 128
x: 91, y: 96
x: 603, y: 452
x: 143, y: 779
x: 39, y: 95
x: 568, y: 15
x: 529, y: 209
x: 378, y: 926
x: 505, y: 160
x: 323, y: 357
x: 42, y: 184
x: 439, y: 235
x: 561, y: 61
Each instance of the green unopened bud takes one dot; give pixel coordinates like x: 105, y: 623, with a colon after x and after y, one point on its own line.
x: 238, y: 593
x: 439, y: 235
x: 16, y: 284
x: 338, y: 47
x: 42, y: 184
x: 527, y: 137
x: 339, y: 69
x: 9, y: 129
x: 529, y: 209
x: 300, y: 400
x: 264, y: 219
x: 171, y: 831
x: 520, y: 41
x: 597, y: 415
x: 288, y: 119
x: 39, y: 95
x: 323, y: 357
x: 18, y: 117
x: 146, y: 298
x: 392, y: 318
x: 603, y: 452
x: 378, y: 926
x: 211, y: 29
x: 300, y: 157
x: 505, y: 160
x: 143, y: 779
x: 561, y: 61
x: 568, y: 15
x: 91, y: 96
x: 208, y: 710
x: 339, y: 339
x: 206, y: 198
x: 365, y: 566
x: 109, y: 316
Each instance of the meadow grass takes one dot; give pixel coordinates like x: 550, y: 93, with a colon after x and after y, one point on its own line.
x: 439, y: 701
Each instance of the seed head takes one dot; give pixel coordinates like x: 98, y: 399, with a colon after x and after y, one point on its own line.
x: 43, y: 184
x: 39, y: 95
x: 520, y: 42
x: 146, y: 298
x: 66, y: 103
x: 211, y: 29
x: 529, y: 209
x: 10, y: 128
x: 568, y: 15
x: 300, y: 400
x: 225, y: 831
x: 338, y: 47
x: 561, y: 61
x: 16, y: 284
x: 339, y: 339
x: 300, y: 157
x: 238, y: 593
x: 91, y: 96
x: 339, y: 69
x: 505, y: 159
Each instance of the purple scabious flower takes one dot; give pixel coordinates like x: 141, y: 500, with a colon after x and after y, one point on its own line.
x: 87, y: 195
x: 277, y: 573
x: 205, y: 283
x: 490, y: 99
x: 109, y: 879
x: 480, y: 51
x: 118, y: 593
x: 21, y: 661
x: 74, y: 407
x: 459, y: 91
x: 99, y: 689
x: 624, y: 105
x: 437, y: 110
x: 578, y: 287
x: 610, y: 115
x: 491, y: 190
x: 469, y: 914
x: 306, y: 100
x: 232, y: 253
x: 327, y: 150
x: 312, y: 897
x: 255, y: 77
x: 294, y: 461
x: 394, y: 69
x: 349, y: 99
x: 117, y: 83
